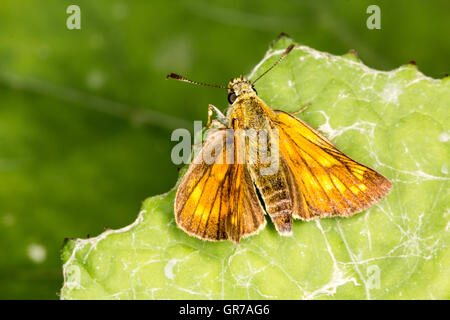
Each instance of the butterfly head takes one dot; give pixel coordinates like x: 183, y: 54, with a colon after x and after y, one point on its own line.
x: 238, y: 87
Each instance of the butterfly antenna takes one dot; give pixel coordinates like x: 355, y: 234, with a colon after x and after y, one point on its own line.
x: 181, y: 78
x: 285, y: 53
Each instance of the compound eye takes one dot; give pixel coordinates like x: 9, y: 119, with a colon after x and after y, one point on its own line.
x: 255, y: 90
x: 231, y: 98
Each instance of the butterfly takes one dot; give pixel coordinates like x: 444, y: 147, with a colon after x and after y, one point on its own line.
x: 228, y: 196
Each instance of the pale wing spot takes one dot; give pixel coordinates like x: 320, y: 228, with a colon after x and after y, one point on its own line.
x: 195, y: 195
x: 362, y: 187
x: 327, y: 185
x: 325, y: 162
x: 338, y: 184
x: 198, y: 215
x: 354, y: 189
x: 204, y: 216
x: 358, y: 175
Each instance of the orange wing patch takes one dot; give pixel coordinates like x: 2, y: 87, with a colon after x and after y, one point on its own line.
x: 218, y: 201
x: 324, y: 181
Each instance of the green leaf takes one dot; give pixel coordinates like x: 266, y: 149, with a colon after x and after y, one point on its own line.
x: 395, y: 122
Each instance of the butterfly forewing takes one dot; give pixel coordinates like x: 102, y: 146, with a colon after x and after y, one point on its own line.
x: 218, y: 201
x: 325, y: 182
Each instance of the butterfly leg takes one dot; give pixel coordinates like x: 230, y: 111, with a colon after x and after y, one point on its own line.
x: 302, y: 109
x: 220, y: 116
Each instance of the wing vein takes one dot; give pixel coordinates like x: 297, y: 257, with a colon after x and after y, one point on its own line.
x: 209, y: 215
x: 309, y: 169
x: 199, y: 198
x: 193, y: 188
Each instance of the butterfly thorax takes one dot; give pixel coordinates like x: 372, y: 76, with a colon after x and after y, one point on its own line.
x: 248, y: 111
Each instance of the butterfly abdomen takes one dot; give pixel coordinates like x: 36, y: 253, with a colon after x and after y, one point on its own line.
x: 277, y: 200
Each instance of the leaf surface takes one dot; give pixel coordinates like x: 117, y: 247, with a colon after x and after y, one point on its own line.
x: 395, y: 122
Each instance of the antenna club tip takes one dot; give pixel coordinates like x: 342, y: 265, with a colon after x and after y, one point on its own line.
x: 283, y: 34
x: 292, y: 46
x: 173, y: 76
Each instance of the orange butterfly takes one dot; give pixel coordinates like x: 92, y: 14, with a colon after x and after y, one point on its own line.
x: 227, y: 197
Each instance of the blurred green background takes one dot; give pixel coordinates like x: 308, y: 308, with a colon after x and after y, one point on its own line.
x: 86, y: 115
